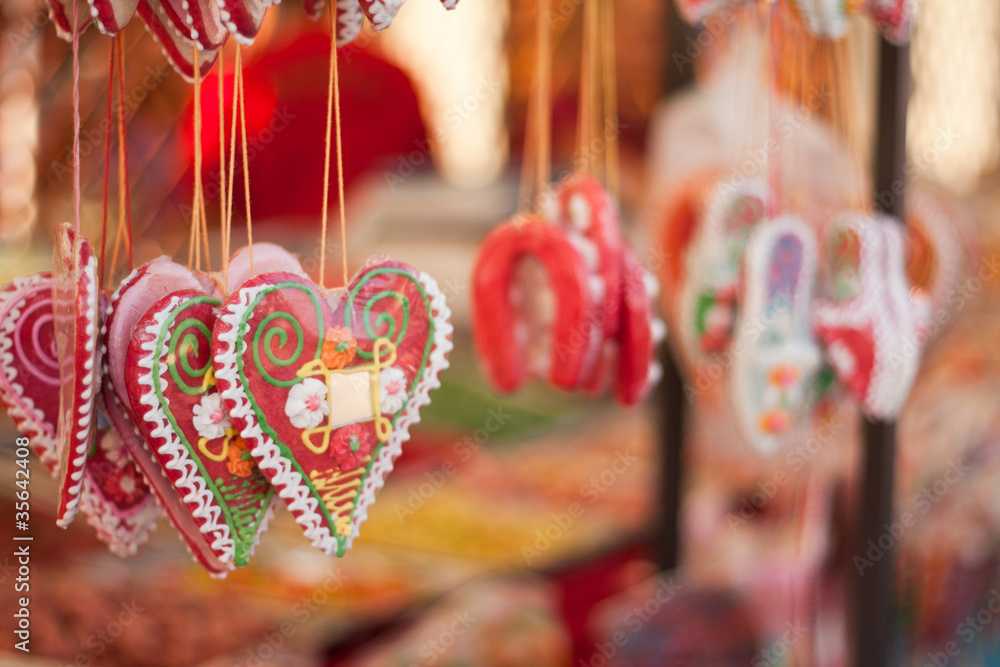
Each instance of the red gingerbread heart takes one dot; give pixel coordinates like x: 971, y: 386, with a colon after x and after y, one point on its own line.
x: 325, y: 387
x: 172, y: 390
x: 75, y: 309
x: 117, y: 501
x: 29, y: 367
x: 29, y: 377
x: 136, y: 294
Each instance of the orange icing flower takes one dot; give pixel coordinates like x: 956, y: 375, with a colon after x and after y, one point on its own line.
x: 339, y: 347
x: 784, y: 376
x: 774, y: 421
x: 240, y: 462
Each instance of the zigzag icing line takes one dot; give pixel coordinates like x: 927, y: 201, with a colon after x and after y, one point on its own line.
x: 437, y: 362
x: 279, y: 471
x: 194, y: 490
x: 21, y: 409
x: 87, y: 392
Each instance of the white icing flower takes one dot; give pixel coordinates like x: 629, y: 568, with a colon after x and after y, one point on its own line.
x: 391, y: 389
x: 210, y: 419
x: 307, y: 405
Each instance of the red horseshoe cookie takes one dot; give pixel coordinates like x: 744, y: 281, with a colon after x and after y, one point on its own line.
x: 501, y: 336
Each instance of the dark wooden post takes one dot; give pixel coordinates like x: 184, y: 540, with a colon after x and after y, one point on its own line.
x: 874, y: 595
x: 677, y: 73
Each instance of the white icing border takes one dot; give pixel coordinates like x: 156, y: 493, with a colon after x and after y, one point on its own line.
x: 27, y: 418
x: 123, y: 536
x: 193, y: 490
x: 109, y: 315
x: 287, y: 482
x: 87, y: 392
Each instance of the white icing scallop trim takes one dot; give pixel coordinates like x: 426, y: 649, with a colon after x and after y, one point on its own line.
x: 286, y: 481
x: 109, y: 316
x: 122, y: 535
x: 27, y: 418
x: 410, y: 415
x: 194, y: 492
x: 87, y: 391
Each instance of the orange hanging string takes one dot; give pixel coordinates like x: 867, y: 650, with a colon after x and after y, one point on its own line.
x: 246, y: 170
x: 326, y: 154
x: 223, y: 229
x: 340, y: 167
x: 124, y: 198
x: 232, y: 152
x: 107, y: 166
x: 609, y: 132
x: 76, y: 117
x: 536, y: 162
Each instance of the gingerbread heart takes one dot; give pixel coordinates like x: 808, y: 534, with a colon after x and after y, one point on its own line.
x: 136, y: 294
x: 76, y: 314
x: 244, y: 18
x: 324, y: 388
x: 198, y: 20
x: 112, y: 15
x: 177, y: 47
x: 29, y: 367
x: 29, y: 377
x: 117, y: 501
x: 172, y: 389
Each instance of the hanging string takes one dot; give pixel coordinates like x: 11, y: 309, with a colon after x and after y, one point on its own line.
x: 124, y: 198
x: 585, y: 118
x: 609, y: 132
x: 232, y: 150
x: 246, y: 171
x: 107, y: 165
x: 194, y: 245
x: 76, y: 117
x: 538, y: 141
x: 326, y: 154
x: 223, y: 217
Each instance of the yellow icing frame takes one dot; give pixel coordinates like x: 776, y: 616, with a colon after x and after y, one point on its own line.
x: 383, y: 425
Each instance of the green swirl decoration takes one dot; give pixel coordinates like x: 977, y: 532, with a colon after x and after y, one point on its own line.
x: 271, y: 333
x: 383, y: 325
x: 184, y: 347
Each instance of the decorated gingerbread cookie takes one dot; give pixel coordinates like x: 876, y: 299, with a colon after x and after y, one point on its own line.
x: 29, y: 366
x: 171, y: 384
x: 137, y: 293
x: 324, y: 388
x: 514, y: 339
x: 76, y: 315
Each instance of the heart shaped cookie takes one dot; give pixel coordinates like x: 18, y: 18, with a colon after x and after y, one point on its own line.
x: 75, y: 311
x: 29, y: 377
x: 29, y: 367
x: 324, y: 388
x: 171, y: 386
x: 117, y: 501
x: 135, y: 295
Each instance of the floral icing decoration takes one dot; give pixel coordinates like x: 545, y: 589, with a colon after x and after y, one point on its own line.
x: 210, y: 419
x: 392, y: 389
x: 339, y: 347
x: 351, y: 446
x: 307, y: 406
